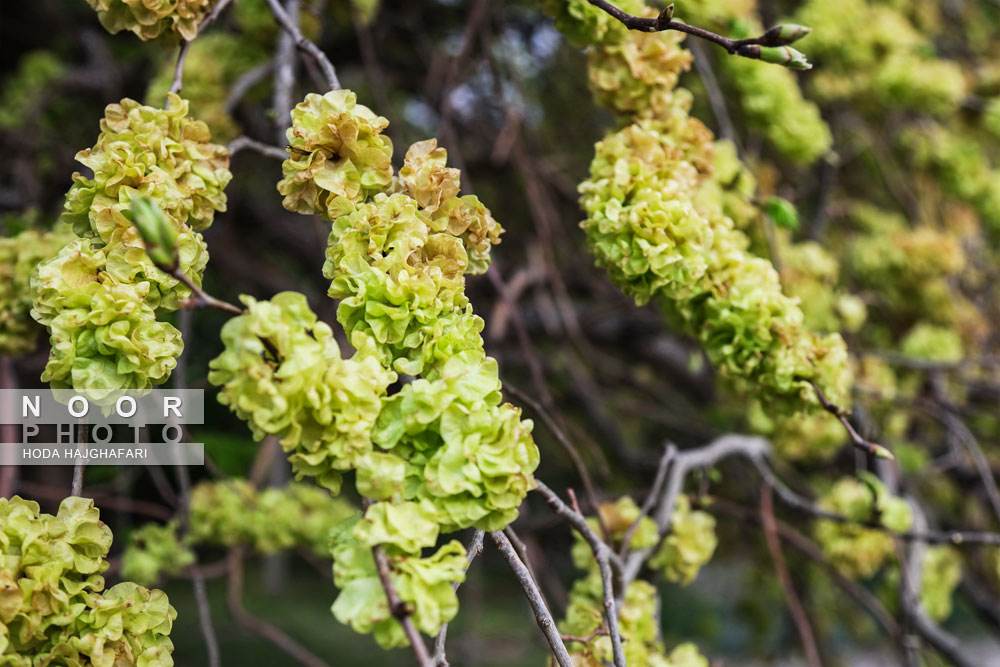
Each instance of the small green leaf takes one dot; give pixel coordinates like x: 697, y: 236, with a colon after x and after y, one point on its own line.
x: 782, y: 212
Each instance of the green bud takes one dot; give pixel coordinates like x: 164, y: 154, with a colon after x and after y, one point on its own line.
x: 665, y: 17
x: 782, y: 212
x: 158, y: 233
x: 783, y: 35
x: 784, y: 55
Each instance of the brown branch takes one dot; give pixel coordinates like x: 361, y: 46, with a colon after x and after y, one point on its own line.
x: 929, y: 536
x: 178, y: 81
x: 329, y: 72
x: 686, y: 461
x: 541, y: 610
x: 201, y: 298
x: 242, y: 143
x: 562, y: 439
x: 799, y: 616
x: 748, y: 47
x: 275, y: 635
x: 472, y: 551
x: 399, y: 609
x: 809, y: 549
x: 606, y: 559
x: 857, y: 440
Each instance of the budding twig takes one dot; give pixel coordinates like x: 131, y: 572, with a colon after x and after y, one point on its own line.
x: 856, y: 439
x: 772, y: 46
x: 200, y: 298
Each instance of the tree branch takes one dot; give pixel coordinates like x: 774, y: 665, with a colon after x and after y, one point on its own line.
x: 472, y: 550
x: 748, y: 47
x: 399, y: 609
x: 542, y: 614
x: 329, y: 72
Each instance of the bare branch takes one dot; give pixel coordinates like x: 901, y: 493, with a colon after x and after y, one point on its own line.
x: 605, y: 557
x: 242, y: 143
x: 781, y: 568
x: 200, y: 298
x: 856, y: 439
x: 399, y: 609
x: 259, y: 626
x: 748, y: 47
x: 562, y: 439
x: 305, y: 45
x: 542, y: 614
x: 654, y: 493
x: 178, y: 81
x: 472, y: 550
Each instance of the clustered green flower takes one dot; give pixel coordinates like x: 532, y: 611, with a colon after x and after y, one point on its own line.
x: 773, y: 104
x: 425, y: 583
x: 443, y: 452
x: 638, y: 624
x: 856, y: 550
x: 659, y: 234
x: 687, y: 547
x: 338, y: 155
x: 645, y: 230
x: 101, y: 295
x: 232, y: 513
x: 53, y: 605
x: 168, y: 21
x: 281, y: 371
x: 910, y: 271
x: 19, y: 255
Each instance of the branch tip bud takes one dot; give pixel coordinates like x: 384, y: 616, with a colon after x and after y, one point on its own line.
x: 159, y: 234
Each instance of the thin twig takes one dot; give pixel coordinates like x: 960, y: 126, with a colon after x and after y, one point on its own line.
x: 329, y: 72
x: 241, y: 143
x: 245, y: 82
x: 607, y: 560
x: 399, y: 609
x: 809, y: 548
x: 856, y: 439
x: 284, y: 72
x: 799, y: 616
x: 541, y: 610
x: 178, y: 81
x: 562, y: 439
x: 201, y: 298
x: 686, y: 461
x: 740, y: 47
x: 259, y: 626
x: 654, y: 493
x: 184, y: 482
x: 472, y: 551
x: 80, y: 465
x: 928, y: 536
